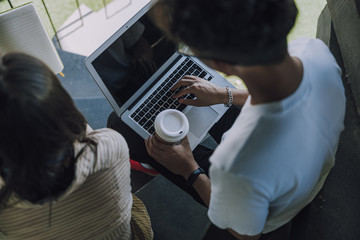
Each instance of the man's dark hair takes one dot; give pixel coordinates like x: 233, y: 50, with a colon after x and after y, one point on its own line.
x: 245, y: 32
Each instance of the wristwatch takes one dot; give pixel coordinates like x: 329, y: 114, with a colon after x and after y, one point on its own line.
x: 193, y: 176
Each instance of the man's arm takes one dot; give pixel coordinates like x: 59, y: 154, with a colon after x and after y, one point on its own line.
x: 207, y: 93
x: 202, y: 186
x: 179, y: 160
x: 239, y: 96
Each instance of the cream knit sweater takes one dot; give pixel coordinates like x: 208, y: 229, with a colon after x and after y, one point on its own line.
x: 97, y: 205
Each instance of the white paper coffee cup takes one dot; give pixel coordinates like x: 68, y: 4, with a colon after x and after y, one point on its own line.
x: 171, y: 126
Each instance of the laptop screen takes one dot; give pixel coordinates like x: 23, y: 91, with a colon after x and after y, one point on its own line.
x: 133, y: 58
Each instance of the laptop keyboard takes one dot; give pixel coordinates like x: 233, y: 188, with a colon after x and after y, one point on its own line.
x: 161, y: 98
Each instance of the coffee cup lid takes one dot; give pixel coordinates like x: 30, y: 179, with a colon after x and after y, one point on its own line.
x: 171, y: 125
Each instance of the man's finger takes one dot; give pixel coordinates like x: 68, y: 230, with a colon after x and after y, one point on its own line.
x: 157, y: 146
x: 183, y: 82
x: 147, y: 145
x: 190, y: 102
x: 191, y: 77
x: 183, y: 92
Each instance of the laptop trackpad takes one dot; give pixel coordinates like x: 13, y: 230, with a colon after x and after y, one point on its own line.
x: 200, y: 119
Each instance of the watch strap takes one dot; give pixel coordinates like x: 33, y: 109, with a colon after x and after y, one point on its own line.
x: 193, y: 176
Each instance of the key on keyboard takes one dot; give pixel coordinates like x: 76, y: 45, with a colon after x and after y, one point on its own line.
x: 162, y: 99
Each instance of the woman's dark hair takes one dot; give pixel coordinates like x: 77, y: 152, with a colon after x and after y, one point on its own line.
x: 38, y: 123
x: 246, y: 32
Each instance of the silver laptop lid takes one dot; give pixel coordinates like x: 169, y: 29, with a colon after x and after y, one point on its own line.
x: 122, y: 65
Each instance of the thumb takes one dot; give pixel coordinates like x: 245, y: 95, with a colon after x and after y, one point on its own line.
x: 190, y: 102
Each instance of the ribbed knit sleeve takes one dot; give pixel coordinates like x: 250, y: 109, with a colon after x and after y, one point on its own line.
x: 97, y: 205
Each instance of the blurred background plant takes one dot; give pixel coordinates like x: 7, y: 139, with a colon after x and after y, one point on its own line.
x: 59, y: 11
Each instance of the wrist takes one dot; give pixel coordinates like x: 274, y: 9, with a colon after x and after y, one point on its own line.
x: 229, y: 97
x: 222, y: 95
x: 189, y: 171
x: 193, y: 176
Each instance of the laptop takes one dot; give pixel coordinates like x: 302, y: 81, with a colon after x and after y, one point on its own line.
x: 136, y: 68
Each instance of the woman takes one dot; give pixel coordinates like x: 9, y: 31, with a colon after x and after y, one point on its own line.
x: 58, y: 178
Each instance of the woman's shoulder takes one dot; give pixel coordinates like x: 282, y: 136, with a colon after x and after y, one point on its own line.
x: 107, y: 150
x: 104, y: 134
x: 109, y: 141
x: 110, y: 147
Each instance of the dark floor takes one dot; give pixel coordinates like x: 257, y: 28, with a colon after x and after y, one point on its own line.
x: 333, y: 215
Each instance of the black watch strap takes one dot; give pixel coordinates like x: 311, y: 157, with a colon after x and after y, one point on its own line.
x: 193, y: 176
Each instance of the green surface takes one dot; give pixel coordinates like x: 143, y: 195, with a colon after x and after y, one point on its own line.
x: 60, y: 10
x: 309, y: 11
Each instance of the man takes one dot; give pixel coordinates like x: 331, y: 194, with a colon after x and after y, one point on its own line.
x: 275, y: 157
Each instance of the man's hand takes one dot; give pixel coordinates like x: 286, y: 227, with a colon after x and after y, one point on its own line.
x: 177, y: 158
x: 205, y: 92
